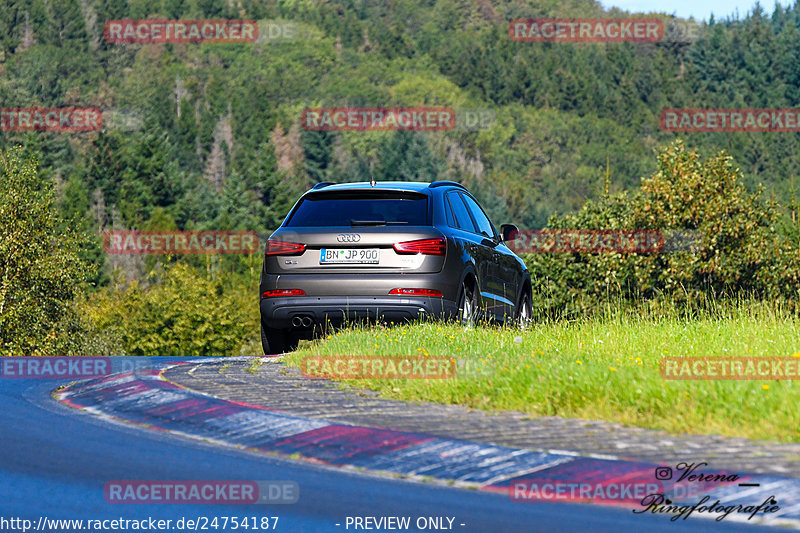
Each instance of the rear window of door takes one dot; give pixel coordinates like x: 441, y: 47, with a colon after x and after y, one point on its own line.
x: 485, y: 226
x: 463, y: 220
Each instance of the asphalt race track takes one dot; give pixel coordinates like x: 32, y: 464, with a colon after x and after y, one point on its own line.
x: 55, y: 461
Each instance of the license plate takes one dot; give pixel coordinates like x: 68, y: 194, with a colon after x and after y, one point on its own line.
x: 359, y: 256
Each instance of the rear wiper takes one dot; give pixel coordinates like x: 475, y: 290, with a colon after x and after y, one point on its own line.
x: 354, y: 223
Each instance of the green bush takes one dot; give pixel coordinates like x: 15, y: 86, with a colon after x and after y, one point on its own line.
x: 182, y: 313
x: 738, y: 251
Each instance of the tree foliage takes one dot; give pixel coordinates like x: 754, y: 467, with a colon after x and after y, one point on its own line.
x: 180, y: 313
x: 41, y: 269
x: 732, y: 246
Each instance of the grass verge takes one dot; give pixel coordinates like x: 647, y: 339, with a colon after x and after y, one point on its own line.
x: 604, y: 368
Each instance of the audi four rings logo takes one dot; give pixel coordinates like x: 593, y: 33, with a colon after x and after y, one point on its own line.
x: 348, y: 237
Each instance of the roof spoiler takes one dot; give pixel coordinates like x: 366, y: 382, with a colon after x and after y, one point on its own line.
x: 443, y: 183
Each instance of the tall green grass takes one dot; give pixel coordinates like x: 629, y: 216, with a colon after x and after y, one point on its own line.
x: 605, y: 367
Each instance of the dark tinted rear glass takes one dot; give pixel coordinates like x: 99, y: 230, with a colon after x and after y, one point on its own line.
x: 342, y: 208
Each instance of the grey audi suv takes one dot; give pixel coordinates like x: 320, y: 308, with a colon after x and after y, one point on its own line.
x: 388, y: 251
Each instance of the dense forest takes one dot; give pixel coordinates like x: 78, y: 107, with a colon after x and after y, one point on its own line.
x: 208, y: 136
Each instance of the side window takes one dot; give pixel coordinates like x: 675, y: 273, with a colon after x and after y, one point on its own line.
x: 448, y: 213
x: 463, y: 221
x: 484, y: 224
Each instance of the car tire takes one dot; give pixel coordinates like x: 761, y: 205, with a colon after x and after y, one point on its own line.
x: 467, y: 305
x: 291, y: 342
x: 524, y: 311
x: 273, y: 341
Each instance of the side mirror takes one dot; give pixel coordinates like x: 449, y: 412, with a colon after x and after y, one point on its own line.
x: 508, y: 232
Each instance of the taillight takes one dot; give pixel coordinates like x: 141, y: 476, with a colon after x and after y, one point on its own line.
x: 417, y: 292
x: 283, y: 292
x: 424, y: 246
x: 284, y: 248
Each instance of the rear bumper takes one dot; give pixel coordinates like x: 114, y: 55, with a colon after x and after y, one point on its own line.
x: 278, y: 312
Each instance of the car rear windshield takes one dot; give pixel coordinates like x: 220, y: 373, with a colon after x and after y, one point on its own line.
x: 361, y: 208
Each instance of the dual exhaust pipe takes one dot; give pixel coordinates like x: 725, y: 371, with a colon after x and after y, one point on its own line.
x: 302, y: 322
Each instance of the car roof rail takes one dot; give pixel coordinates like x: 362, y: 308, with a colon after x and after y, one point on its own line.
x: 443, y: 183
x: 322, y: 184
